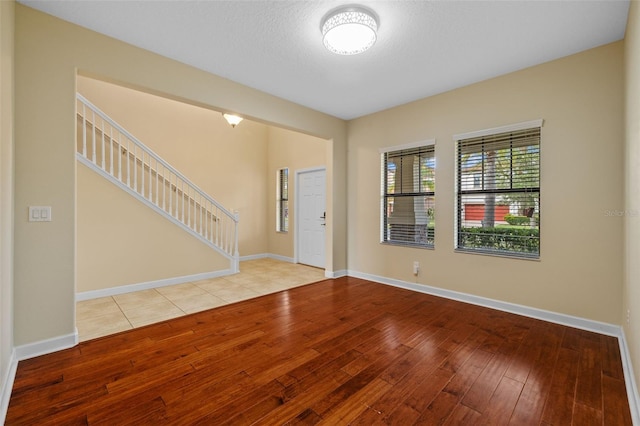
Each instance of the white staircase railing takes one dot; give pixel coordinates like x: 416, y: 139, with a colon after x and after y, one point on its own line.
x: 109, y: 149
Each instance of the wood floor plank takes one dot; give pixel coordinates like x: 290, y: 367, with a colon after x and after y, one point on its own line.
x: 480, y: 392
x: 446, y: 401
x: 57, y: 400
x: 420, y: 372
x: 359, y: 402
x: 343, y: 351
x: 584, y: 415
x: 559, y: 405
x: 615, y: 412
x: 421, y: 397
x: 299, y: 399
x: 611, y: 359
x: 359, y: 381
x: 537, y: 385
x: 463, y: 415
x: 249, y: 407
x: 135, y: 411
x: 589, y: 380
x: 503, y: 402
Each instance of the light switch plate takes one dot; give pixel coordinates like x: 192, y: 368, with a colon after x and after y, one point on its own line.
x: 39, y: 213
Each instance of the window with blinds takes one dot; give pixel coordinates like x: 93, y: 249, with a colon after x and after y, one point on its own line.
x: 498, y: 193
x: 282, y: 200
x: 408, y: 196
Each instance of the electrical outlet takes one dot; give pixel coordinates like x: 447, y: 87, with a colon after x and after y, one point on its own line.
x: 416, y: 267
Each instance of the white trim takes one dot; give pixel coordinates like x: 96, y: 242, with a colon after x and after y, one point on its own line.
x: 112, y: 291
x: 281, y: 258
x: 629, y: 379
x: 335, y: 274
x: 254, y: 256
x: 7, y: 386
x: 46, y: 346
x: 410, y: 145
x: 268, y: 256
x: 502, y: 129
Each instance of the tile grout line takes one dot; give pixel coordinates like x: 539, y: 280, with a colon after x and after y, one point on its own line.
x: 171, y: 301
x: 122, y: 310
x: 249, y: 277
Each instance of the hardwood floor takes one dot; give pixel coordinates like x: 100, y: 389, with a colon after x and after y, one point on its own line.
x: 344, y: 351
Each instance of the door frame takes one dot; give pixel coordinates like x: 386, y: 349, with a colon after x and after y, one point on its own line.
x: 297, y: 210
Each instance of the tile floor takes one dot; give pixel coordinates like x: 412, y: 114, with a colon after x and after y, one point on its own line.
x: 109, y: 315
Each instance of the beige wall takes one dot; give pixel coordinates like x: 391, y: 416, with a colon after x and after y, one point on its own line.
x: 6, y: 191
x: 631, y: 290
x: 295, y: 151
x: 580, y: 268
x: 49, y: 54
x: 227, y: 163
x: 236, y: 166
x: 121, y: 241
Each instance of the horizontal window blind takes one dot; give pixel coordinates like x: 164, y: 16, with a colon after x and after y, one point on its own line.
x: 408, y: 196
x: 498, y: 193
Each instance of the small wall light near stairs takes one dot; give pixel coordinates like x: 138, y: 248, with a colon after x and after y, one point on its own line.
x: 232, y: 119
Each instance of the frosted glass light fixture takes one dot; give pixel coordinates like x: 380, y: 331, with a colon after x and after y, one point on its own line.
x: 349, y: 30
x: 234, y: 120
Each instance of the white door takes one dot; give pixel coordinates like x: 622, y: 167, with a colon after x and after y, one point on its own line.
x: 311, y: 217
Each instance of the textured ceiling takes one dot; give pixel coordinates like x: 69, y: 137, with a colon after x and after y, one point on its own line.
x: 423, y: 47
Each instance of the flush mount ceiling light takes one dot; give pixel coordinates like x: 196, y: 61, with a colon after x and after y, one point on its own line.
x: 349, y: 30
x: 234, y: 120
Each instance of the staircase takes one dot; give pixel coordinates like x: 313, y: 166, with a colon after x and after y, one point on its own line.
x: 110, y: 150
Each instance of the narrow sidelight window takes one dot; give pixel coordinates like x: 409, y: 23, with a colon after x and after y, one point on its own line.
x: 282, y: 200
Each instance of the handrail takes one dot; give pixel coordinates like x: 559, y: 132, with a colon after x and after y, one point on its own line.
x: 149, y: 151
x: 112, y: 151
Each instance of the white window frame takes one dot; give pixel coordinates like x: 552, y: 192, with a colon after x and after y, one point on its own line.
x: 476, y: 134
x: 383, y: 152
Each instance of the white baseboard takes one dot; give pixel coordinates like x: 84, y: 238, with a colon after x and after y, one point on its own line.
x: 112, y: 291
x: 27, y: 351
x: 7, y: 386
x: 254, y: 256
x: 629, y: 379
x: 281, y: 258
x: 268, y: 256
x: 43, y: 347
x: 563, y: 319
x: 335, y: 274
x: 554, y: 317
